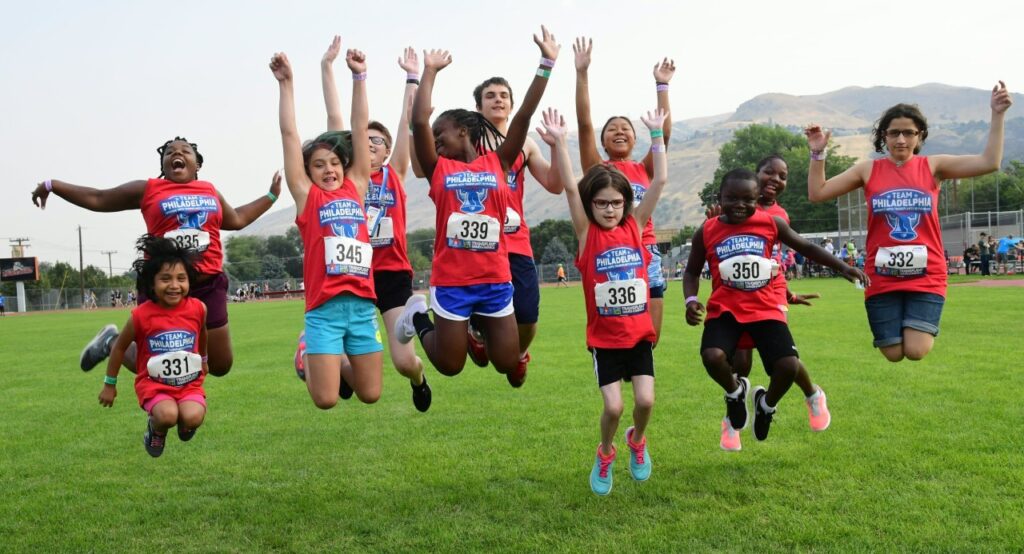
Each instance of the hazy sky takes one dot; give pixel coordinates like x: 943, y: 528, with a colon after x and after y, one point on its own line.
x: 92, y: 88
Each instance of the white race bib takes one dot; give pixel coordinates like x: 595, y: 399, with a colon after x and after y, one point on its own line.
x: 373, y: 215
x: 512, y: 221
x: 902, y: 261
x: 175, y: 368
x: 347, y: 256
x: 615, y: 298
x: 747, y: 272
x: 476, y: 232
x: 195, y: 239
x: 385, y: 235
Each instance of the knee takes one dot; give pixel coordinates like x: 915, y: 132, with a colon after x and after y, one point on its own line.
x: 915, y: 352
x: 408, y: 365
x: 192, y: 420
x: 613, y: 410
x: 368, y: 397
x: 644, y: 403
x: 893, y: 353
x: 786, y: 368
x: 449, y: 369
x: 325, y: 401
x: 165, y: 419
x: 221, y: 366
x: 713, y: 358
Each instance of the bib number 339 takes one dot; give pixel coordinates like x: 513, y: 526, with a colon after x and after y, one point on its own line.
x: 902, y: 261
x: 175, y: 368
x: 476, y: 232
x: 616, y: 298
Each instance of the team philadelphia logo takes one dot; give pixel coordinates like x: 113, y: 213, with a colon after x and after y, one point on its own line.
x: 471, y: 189
x: 172, y: 341
x: 344, y: 217
x: 510, y: 178
x: 380, y: 196
x: 191, y: 210
x: 740, y: 245
x: 902, y: 209
x: 619, y: 264
x: 638, y: 193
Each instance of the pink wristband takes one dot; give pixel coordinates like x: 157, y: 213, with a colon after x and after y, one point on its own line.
x: 359, y: 76
x: 547, y: 62
x: 412, y: 76
x: 662, y: 87
x: 690, y: 299
x: 658, y: 148
x: 49, y: 185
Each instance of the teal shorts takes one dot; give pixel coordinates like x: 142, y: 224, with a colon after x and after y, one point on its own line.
x: 345, y: 324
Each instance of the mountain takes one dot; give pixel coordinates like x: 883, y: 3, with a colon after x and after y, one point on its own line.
x: 957, y: 118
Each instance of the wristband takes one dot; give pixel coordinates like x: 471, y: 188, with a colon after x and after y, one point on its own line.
x: 690, y: 299
x: 662, y: 87
x: 820, y: 155
x: 547, y: 62
x: 658, y: 148
x: 359, y: 76
x: 412, y: 81
x: 541, y: 72
x: 411, y: 76
x: 657, y: 133
x: 108, y: 380
x: 272, y: 197
x: 49, y: 185
x: 206, y: 359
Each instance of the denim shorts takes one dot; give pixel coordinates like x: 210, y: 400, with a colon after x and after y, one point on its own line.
x: 891, y: 312
x: 458, y: 303
x: 655, y: 278
x: 345, y: 324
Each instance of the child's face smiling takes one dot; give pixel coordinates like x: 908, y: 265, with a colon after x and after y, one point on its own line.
x: 739, y: 200
x: 171, y: 284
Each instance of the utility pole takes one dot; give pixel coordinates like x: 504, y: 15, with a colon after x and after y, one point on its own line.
x: 81, y: 266
x: 110, y: 264
x: 18, y: 251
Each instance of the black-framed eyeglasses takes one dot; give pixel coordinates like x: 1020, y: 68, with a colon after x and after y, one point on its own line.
x: 895, y: 133
x: 377, y: 141
x: 603, y: 204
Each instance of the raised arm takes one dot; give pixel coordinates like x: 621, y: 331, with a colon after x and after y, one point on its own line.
x: 542, y: 170
x: 961, y: 167
x: 654, y: 122
x: 814, y: 252
x: 554, y: 133
x: 663, y: 73
x: 691, y: 277
x: 294, y: 171
x: 422, y: 135
x: 818, y: 188
x: 335, y: 119
x: 410, y: 62
x: 509, y: 150
x: 236, y: 219
x: 359, y: 171
x: 118, y: 199
x: 589, y: 156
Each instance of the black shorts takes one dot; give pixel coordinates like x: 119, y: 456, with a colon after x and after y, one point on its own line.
x: 525, y: 288
x: 393, y: 288
x: 616, y: 364
x: 657, y: 292
x: 771, y: 338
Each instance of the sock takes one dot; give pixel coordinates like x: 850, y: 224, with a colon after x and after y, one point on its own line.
x: 817, y: 392
x: 421, y: 322
x: 764, y: 405
x: 736, y: 393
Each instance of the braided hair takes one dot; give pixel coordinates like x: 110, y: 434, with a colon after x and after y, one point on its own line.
x: 339, y: 142
x: 157, y: 253
x: 195, y: 148
x: 483, y: 135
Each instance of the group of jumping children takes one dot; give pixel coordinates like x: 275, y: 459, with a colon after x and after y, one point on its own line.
x: 350, y: 210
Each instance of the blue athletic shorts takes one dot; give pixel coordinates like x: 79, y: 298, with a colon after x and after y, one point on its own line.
x: 345, y: 324
x: 526, y: 293
x: 458, y: 303
x: 890, y: 312
x: 655, y: 279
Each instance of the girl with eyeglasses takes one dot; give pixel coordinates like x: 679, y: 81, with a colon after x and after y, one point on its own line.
x: 904, y: 247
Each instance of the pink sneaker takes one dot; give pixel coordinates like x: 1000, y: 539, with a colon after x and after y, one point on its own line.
x: 817, y: 411
x: 730, y: 437
x: 300, y: 368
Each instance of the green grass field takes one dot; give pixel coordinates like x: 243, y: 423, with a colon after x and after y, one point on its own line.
x: 924, y: 456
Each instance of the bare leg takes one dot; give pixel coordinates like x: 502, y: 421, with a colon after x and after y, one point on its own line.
x: 219, y: 350
x: 643, y: 405
x: 612, y: 395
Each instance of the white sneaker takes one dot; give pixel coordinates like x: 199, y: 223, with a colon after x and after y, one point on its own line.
x: 404, y: 329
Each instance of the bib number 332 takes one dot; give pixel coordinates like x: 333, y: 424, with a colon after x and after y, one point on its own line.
x: 902, y: 261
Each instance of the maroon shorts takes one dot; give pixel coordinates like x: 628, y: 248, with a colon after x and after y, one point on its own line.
x: 214, y: 293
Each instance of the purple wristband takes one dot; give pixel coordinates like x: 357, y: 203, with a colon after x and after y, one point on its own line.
x: 690, y: 299
x: 359, y: 76
x: 412, y: 76
x: 547, y: 62
x: 662, y: 87
x: 49, y: 185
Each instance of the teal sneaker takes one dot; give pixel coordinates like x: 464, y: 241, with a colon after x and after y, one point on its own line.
x: 639, y: 461
x: 601, y: 474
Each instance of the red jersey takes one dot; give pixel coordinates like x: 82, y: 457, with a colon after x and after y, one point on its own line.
x: 387, y: 195
x: 779, y: 282
x: 190, y: 214
x: 167, y: 349
x: 637, y: 175
x: 517, y: 234
x: 904, y: 244
x: 337, y: 255
x: 741, y: 268
x: 613, y: 265
x: 471, y: 200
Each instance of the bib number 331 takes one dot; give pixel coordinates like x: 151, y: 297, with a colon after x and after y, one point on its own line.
x: 175, y: 368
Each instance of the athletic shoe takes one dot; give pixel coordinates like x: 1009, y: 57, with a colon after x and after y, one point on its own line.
x: 730, y: 437
x: 517, y: 376
x: 421, y: 395
x: 817, y: 411
x: 404, y: 329
x: 639, y: 460
x: 344, y: 390
x: 762, y: 419
x: 185, y: 434
x: 98, y: 348
x: 300, y: 350
x: 736, y: 408
x: 477, y: 349
x: 601, y: 474
x: 153, y: 442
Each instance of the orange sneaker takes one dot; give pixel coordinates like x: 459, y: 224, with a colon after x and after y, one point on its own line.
x: 817, y: 410
x: 730, y: 437
x: 477, y: 350
x: 518, y: 376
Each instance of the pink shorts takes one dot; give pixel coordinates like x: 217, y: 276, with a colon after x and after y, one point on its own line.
x: 160, y: 397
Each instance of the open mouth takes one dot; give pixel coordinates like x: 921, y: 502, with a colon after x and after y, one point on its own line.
x: 177, y: 163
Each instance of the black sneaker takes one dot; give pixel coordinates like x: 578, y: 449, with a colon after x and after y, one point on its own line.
x: 736, y: 408
x: 153, y: 442
x: 98, y: 348
x: 762, y: 419
x: 185, y: 434
x: 345, y: 391
x: 421, y: 395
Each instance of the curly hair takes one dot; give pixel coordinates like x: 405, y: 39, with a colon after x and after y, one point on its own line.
x: 910, y: 111
x: 157, y: 253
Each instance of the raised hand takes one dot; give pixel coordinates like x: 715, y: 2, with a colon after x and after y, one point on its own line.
x: 356, y: 60
x: 548, y: 47
x: 581, y: 49
x: 554, y: 129
x: 332, y: 51
x: 281, y: 67
x: 275, y: 184
x: 409, y: 61
x: 664, y: 70
x: 654, y: 120
x: 436, y: 59
x: 1001, y: 100
x: 817, y: 138
x: 40, y: 195
x: 712, y: 211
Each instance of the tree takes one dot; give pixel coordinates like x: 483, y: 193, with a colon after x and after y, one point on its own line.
x: 422, y: 242
x: 683, y: 236
x: 273, y: 268
x: 542, y: 234
x: 244, y: 257
x: 978, y: 194
x: 288, y: 249
x: 556, y: 253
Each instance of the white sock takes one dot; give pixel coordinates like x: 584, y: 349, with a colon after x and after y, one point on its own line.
x: 736, y: 393
x: 764, y: 405
x: 817, y: 392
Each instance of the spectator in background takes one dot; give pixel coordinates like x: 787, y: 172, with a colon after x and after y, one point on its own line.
x: 3, y: 310
x: 798, y: 259
x: 984, y: 253
x: 971, y: 256
x: 561, y: 277
x: 1006, y: 251
x: 851, y: 251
